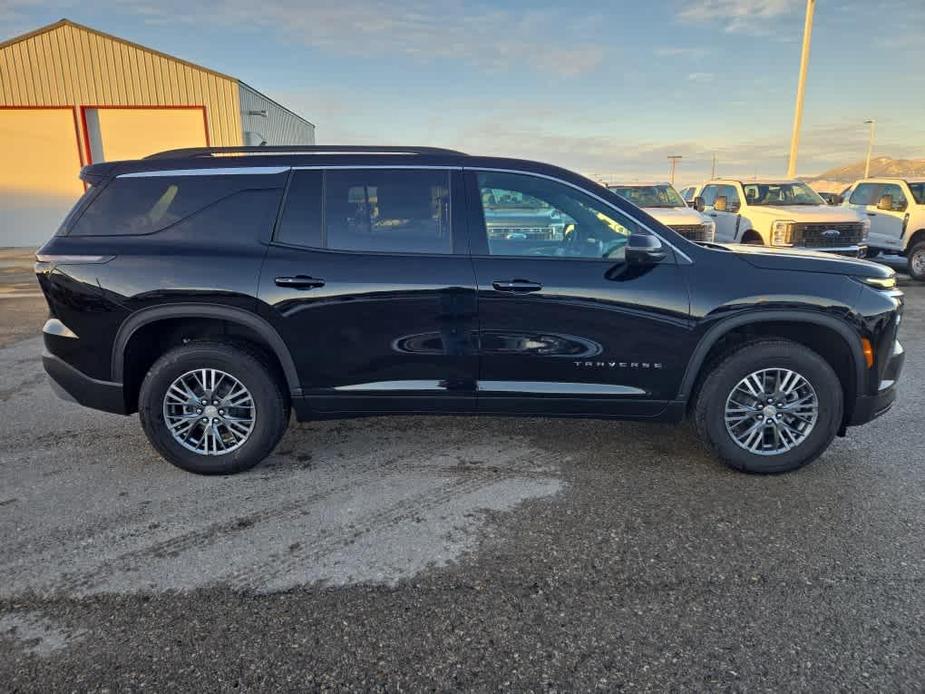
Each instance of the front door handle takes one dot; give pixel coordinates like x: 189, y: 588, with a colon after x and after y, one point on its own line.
x: 517, y: 286
x: 871, y: 214
x: 299, y: 282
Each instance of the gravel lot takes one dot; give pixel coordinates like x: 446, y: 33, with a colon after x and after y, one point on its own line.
x: 452, y: 553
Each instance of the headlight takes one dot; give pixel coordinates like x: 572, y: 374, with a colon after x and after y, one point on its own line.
x: 865, y: 229
x: 782, y: 233
x: 879, y: 282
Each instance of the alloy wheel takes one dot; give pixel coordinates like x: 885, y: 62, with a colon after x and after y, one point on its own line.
x: 771, y: 411
x: 209, y: 412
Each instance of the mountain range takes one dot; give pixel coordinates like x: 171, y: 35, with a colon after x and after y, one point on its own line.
x: 879, y: 166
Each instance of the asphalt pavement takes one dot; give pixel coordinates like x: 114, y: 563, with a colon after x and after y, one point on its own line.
x: 454, y: 554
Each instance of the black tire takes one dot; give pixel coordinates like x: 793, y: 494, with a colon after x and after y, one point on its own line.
x: 916, y: 259
x: 752, y: 238
x: 271, y: 405
x: 710, y: 403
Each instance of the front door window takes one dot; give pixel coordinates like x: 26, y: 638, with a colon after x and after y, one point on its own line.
x: 532, y: 216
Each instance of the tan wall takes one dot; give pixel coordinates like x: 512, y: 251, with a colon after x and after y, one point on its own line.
x: 163, y: 128
x: 71, y: 66
x: 39, y: 161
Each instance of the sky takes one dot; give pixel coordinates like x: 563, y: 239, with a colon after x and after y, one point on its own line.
x: 606, y: 88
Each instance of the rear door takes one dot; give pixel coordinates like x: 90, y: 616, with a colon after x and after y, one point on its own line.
x: 565, y: 325
x: 369, y: 283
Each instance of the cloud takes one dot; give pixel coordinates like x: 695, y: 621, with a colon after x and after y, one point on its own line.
x: 738, y: 16
x: 681, y: 52
x: 700, y: 77
x: 550, y: 41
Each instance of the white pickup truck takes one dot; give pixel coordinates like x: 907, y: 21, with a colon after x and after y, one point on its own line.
x: 664, y: 203
x: 786, y: 213
x: 896, y: 210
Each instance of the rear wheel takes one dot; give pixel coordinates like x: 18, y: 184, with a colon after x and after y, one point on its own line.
x: 770, y: 406
x: 212, y: 408
x: 752, y: 238
x: 916, y: 261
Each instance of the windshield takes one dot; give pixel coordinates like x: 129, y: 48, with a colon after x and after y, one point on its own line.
x: 777, y: 194
x: 918, y: 192
x: 650, y: 196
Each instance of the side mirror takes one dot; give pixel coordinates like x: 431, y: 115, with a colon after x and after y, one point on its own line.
x: 886, y: 203
x: 720, y: 203
x: 837, y: 200
x: 698, y: 204
x: 644, y: 249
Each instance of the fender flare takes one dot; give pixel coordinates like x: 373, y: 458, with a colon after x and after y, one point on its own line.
x: 712, y: 336
x: 248, y: 319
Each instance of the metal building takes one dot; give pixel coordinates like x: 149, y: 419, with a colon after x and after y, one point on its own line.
x: 71, y: 95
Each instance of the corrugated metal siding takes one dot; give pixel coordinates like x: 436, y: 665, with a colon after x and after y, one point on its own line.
x: 70, y: 66
x: 279, y: 127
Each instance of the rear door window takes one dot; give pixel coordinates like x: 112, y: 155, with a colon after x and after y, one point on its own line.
x: 390, y: 211
x: 300, y: 223
x: 141, y: 205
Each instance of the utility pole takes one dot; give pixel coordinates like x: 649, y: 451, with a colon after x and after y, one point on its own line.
x: 713, y: 168
x: 673, y: 158
x: 801, y: 88
x: 870, y: 146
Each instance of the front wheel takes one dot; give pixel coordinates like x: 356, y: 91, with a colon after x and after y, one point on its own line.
x: 212, y: 408
x: 770, y: 406
x: 916, y: 261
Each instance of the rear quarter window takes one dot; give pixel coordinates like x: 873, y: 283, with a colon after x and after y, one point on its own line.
x: 143, y: 205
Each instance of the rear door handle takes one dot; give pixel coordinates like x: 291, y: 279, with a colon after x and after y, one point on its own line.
x: 517, y: 286
x: 299, y: 282
x: 871, y: 214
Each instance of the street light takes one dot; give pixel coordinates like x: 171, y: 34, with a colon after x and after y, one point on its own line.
x: 673, y: 158
x: 801, y: 88
x: 870, y: 146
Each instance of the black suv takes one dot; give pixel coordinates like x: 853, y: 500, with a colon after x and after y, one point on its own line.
x: 213, y: 290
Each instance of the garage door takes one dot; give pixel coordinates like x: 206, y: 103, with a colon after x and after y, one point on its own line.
x: 39, y: 167
x: 131, y: 133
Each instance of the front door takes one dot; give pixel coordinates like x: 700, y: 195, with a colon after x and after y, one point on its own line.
x: 886, y: 225
x: 373, y: 291
x: 566, y: 326
x: 725, y: 212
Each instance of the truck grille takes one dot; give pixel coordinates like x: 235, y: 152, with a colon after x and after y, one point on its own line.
x: 818, y: 235
x: 694, y: 232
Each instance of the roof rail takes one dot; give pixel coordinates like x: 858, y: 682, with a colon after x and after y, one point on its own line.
x: 194, y: 152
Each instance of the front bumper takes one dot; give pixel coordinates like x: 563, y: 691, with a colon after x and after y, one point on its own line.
x: 859, y: 251
x: 869, y: 407
x: 70, y: 384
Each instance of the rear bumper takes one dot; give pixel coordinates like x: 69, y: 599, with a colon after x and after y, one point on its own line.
x: 869, y: 407
x: 70, y: 384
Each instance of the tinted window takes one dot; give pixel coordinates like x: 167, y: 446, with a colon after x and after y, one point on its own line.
x: 530, y: 216
x: 865, y: 194
x: 149, y: 204
x: 398, y: 211
x: 241, y: 217
x: 918, y: 192
x: 301, y: 219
